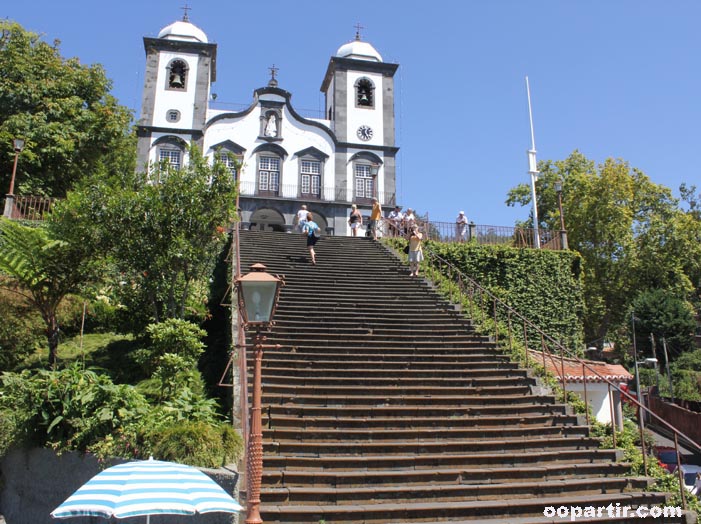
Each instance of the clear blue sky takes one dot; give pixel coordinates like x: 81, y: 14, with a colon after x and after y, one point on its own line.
x: 612, y: 78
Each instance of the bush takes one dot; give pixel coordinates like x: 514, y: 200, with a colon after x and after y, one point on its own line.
x: 68, y: 409
x: 21, y: 332
x: 664, y: 314
x: 196, y: 443
x: 176, y: 336
x: 543, y: 285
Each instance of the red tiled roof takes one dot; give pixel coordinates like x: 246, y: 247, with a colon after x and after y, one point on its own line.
x: 596, y: 371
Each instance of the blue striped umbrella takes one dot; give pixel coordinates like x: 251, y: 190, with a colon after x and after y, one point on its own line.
x: 147, y: 487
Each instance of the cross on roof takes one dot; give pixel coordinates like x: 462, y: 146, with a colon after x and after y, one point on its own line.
x: 185, y: 9
x: 273, y: 71
x: 358, y: 27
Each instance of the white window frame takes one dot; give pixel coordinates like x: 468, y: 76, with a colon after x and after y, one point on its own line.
x: 171, y: 155
x: 269, y: 173
x: 310, y: 171
x: 229, y: 159
x: 364, y: 181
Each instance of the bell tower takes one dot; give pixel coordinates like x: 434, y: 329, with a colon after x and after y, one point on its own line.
x: 359, y: 89
x: 180, y: 68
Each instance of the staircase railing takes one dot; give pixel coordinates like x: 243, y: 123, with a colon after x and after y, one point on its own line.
x: 490, y: 309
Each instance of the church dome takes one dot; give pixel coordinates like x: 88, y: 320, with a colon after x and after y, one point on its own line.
x: 359, y: 50
x: 182, y: 30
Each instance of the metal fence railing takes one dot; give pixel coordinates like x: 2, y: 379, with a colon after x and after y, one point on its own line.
x: 20, y: 207
x: 475, y: 233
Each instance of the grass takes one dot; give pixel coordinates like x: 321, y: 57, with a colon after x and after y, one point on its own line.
x: 105, y: 351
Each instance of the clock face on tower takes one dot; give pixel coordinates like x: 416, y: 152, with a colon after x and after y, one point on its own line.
x: 364, y: 132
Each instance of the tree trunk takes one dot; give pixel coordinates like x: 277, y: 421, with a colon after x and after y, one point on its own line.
x: 52, y: 332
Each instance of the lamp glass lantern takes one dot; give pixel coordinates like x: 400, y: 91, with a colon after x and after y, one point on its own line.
x: 258, y: 294
x: 18, y: 144
x: 558, y: 186
x: 374, y: 169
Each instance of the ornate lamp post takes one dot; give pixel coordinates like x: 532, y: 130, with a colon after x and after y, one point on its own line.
x: 18, y: 144
x: 563, y: 232
x: 258, y: 293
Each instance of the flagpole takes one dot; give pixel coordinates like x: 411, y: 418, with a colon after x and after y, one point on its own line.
x: 533, y: 169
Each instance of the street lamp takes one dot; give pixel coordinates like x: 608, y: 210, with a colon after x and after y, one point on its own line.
x: 18, y: 145
x: 258, y: 293
x: 563, y: 232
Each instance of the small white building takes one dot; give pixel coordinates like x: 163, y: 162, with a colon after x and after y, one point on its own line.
x: 601, y: 397
x: 347, y: 155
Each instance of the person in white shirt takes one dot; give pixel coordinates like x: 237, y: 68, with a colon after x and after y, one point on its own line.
x: 409, y: 220
x: 395, y: 221
x: 301, y: 218
x: 461, y: 227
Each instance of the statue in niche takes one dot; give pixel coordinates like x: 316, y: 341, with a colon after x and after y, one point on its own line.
x: 271, y: 126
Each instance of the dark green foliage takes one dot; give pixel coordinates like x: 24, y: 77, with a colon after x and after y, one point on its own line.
x: 196, y: 443
x: 44, y: 270
x: 21, y: 331
x: 176, y: 336
x: 544, y: 286
x: 664, y: 314
x: 162, y: 238
x: 67, y: 409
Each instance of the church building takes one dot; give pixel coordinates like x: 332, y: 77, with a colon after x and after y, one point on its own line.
x: 346, y: 157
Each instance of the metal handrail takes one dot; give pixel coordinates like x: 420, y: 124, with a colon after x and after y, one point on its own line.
x: 453, y: 274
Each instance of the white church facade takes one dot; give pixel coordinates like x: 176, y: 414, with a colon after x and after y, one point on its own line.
x: 287, y: 160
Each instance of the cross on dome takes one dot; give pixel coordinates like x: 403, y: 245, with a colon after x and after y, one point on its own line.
x: 185, y: 9
x: 358, y: 27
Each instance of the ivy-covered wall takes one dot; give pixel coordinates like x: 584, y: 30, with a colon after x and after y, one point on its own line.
x: 544, y: 286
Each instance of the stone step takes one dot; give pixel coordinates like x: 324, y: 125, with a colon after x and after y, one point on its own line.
x: 393, y: 382
x: 392, y: 513
x: 327, y: 449
x: 366, y: 399
x: 507, y: 419
x: 527, y: 407
x: 435, y: 476
x: 292, y: 391
x: 488, y: 369
x: 421, y: 435
x: 451, y: 493
x: 359, y: 365
x: 438, y: 460
x: 475, y: 354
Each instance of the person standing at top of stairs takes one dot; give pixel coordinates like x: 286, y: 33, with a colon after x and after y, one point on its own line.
x: 375, y: 217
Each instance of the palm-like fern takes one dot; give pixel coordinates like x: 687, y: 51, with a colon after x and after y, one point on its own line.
x: 39, y: 268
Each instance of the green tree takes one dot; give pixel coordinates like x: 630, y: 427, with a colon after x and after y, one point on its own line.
x: 664, y: 315
x: 43, y: 270
x: 63, y: 109
x: 631, y: 233
x: 161, y: 231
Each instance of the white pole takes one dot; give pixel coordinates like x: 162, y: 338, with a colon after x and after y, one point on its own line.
x: 533, y: 169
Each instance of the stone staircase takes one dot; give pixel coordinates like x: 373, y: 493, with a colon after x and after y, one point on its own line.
x: 384, y: 406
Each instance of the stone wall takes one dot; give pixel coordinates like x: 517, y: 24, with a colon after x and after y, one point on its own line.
x: 34, y: 482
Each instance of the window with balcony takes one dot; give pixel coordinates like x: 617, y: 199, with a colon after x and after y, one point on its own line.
x: 364, y: 182
x: 268, y: 175
x: 170, y: 156
x: 231, y: 161
x: 310, y: 178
